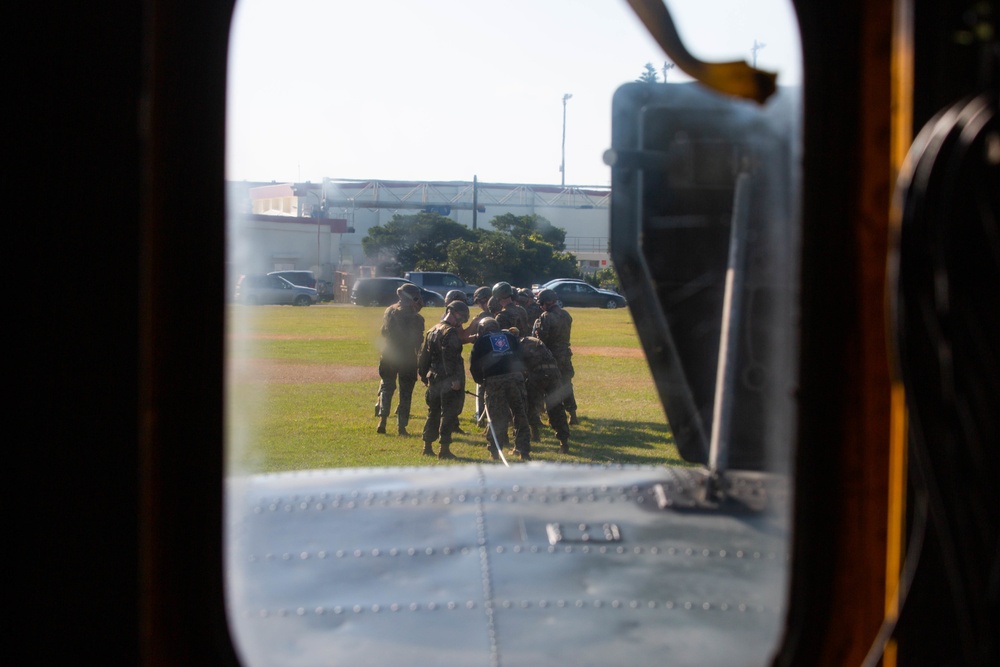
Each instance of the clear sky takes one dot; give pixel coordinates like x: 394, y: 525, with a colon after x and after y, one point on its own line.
x: 450, y: 89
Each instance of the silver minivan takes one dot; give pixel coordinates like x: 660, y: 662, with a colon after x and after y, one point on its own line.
x: 440, y: 282
x: 257, y: 289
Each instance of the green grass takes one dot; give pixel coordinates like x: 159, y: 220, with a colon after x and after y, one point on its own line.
x: 598, y: 327
x: 302, y: 387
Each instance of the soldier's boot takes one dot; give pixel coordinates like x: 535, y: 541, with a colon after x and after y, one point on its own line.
x: 536, y: 433
x: 381, y: 425
x: 494, y: 454
x: 403, y: 432
x: 525, y: 456
x: 428, y: 450
x: 445, y: 452
x: 572, y: 417
x: 564, y: 444
x: 458, y: 429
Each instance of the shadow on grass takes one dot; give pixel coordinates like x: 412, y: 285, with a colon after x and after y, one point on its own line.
x: 617, y: 441
x: 598, y: 441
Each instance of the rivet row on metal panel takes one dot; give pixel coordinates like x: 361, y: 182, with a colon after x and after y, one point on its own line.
x: 432, y: 498
x: 518, y: 549
x: 471, y: 605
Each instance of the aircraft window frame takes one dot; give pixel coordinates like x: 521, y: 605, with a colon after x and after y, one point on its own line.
x: 664, y: 496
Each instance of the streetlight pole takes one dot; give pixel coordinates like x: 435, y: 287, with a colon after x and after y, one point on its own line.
x: 562, y: 166
x: 757, y: 46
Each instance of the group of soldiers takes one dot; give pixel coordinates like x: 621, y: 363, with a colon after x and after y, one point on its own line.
x: 521, y: 362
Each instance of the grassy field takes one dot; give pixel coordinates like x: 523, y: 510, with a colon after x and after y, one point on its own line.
x: 302, y: 384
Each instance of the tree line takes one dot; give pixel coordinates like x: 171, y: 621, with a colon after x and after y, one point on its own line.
x: 521, y: 250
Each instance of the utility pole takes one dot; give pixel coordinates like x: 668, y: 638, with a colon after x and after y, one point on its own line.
x: 562, y: 165
x: 757, y: 46
x: 667, y: 66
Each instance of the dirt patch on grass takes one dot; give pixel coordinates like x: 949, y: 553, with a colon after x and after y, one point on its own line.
x: 273, y: 371
x: 260, y: 336
x: 622, y: 352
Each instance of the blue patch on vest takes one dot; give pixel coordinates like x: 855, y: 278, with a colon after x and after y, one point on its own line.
x: 499, y: 342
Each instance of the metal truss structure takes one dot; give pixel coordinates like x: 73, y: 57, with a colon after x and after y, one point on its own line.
x: 454, y: 195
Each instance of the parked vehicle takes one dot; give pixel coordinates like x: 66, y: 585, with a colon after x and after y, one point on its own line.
x: 579, y: 293
x: 382, y: 292
x: 537, y: 288
x: 301, y: 278
x: 272, y: 289
x: 440, y: 282
x: 307, y: 279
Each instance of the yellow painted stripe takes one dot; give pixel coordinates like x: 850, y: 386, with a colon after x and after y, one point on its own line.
x: 902, y: 138
x: 896, y: 528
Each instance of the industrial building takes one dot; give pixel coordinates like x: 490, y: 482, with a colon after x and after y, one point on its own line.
x: 319, y: 226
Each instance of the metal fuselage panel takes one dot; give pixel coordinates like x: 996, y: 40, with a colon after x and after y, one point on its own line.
x: 477, y: 565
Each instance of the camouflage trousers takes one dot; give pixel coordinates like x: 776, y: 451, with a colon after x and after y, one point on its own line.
x: 506, y: 397
x: 407, y: 378
x: 542, y: 387
x: 564, y: 392
x: 443, y: 407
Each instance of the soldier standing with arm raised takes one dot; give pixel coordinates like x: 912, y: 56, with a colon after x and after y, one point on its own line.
x: 442, y: 370
x: 402, y: 332
x: 481, y: 299
x: 511, y: 314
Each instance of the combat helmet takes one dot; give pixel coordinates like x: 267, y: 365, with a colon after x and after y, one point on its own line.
x: 455, y: 295
x: 503, y: 290
x: 488, y: 325
x: 459, y: 308
x: 409, y: 291
x: 482, y: 293
x: 547, y: 296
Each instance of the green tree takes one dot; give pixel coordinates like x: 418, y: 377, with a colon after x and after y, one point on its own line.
x: 540, y: 250
x: 606, y: 278
x: 542, y: 261
x: 484, y: 260
x: 649, y: 75
x: 522, y: 226
x: 413, y: 242
x: 520, y: 249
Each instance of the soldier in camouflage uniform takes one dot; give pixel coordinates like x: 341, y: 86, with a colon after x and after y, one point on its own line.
x: 402, y: 332
x: 482, y: 298
x: 442, y: 370
x: 455, y: 295
x: 465, y: 334
x: 507, y: 313
x: 511, y: 314
x: 496, y: 364
x: 526, y: 300
x: 553, y: 328
x: 543, y: 381
x: 493, y: 305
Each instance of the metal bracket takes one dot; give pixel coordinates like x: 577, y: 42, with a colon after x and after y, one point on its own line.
x: 582, y: 533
